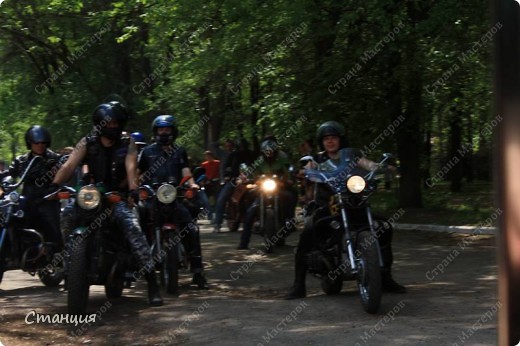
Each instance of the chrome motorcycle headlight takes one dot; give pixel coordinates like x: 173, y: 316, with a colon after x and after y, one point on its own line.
x: 89, y: 197
x: 356, y: 184
x: 166, y: 193
x: 268, y: 185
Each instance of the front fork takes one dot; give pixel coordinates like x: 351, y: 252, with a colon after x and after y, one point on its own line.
x: 348, y: 247
x: 373, y: 232
x: 262, y: 212
x: 347, y: 251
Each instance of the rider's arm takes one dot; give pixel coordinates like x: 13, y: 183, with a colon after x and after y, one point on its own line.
x: 367, y: 164
x: 131, y: 166
x: 66, y: 171
x: 186, y: 171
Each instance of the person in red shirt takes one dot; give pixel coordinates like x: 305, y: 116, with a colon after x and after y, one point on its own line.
x: 212, y: 167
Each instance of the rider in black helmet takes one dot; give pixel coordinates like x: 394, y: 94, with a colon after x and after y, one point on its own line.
x: 166, y: 162
x: 40, y: 214
x: 111, y: 159
x: 331, y: 138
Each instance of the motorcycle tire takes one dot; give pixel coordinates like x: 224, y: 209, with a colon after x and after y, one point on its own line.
x: 369, y: 275
x: 171, y: 269
x: 78, y: 285
x: 269, y: 230
x: 330, y: 286
x: 51, y: 278
x: 233, y: 217
x: 114, y: 285
x: 2, y: 269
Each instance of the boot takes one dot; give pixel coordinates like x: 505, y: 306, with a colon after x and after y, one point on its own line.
x: 389, y: 284
x: 298, y: 289
x: 154, y: 296
x: 200, y: 281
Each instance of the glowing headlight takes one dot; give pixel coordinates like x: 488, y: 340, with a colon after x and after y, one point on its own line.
x: 356, y: 184
x: 268, y: 185
x: 88, y: 197
x: 166, y: 193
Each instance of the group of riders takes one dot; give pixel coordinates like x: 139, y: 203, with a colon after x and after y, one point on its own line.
x: 120, y: 162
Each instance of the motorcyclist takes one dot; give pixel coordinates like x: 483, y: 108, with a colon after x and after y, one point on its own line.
x: 40, y: 214
x: 331, y: 138
x: 111, y: 159
x: 242, y: 155
x: 165, y: 161
x: 273, y: 161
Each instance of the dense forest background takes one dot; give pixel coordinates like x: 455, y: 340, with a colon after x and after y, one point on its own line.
x: 408, y: 77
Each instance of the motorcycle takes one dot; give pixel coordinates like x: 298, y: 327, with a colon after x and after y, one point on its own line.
x: 270, y: 219
x: 165, y: 236
x: 97, y: 249
x: 348, y: 248
x: 23, y: 248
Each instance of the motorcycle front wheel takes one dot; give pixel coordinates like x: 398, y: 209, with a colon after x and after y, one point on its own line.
x: 269, y: 229
x: 170, y: 268
x: 369, y: 275
x: 78, y: 285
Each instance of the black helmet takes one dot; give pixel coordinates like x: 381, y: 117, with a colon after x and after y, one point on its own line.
x: 269, y: 146
x: 106, y: 112
x: 331, y: 128
x: 37, y: 134
x: 165, y: 121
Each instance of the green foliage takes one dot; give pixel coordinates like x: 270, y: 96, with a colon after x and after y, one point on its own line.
x: 252, y: 67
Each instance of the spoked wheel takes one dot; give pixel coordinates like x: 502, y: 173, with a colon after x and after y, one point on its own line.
x: 369, y: 275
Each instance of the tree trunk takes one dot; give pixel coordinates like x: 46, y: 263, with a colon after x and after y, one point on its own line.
x: 455, y: 158
x: 254, y: 84
x: 409, y: 134
x: 204, y: 107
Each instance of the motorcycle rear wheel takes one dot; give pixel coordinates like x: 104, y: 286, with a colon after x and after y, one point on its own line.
x: 330, y: 286
x: 369, y: 276
x: 115, y: 284
x: 78, y: 285
x: 51, y: 278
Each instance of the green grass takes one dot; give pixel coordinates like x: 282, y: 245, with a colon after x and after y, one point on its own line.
x: 472, y: 206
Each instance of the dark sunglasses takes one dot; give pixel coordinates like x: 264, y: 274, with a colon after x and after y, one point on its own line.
x: 40, y: 143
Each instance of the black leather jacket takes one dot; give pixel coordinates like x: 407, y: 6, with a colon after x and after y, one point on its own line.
x: 157, y: 165
x: 107, y: 165
x: 40, y: 175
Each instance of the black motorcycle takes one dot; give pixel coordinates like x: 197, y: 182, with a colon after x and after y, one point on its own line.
x: 97, y: 248
x: 162, y: 231
x: 24, y: 248
x: 347, y: 248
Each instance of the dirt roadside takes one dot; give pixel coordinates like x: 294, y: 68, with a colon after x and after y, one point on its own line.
x: 452, y: 300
